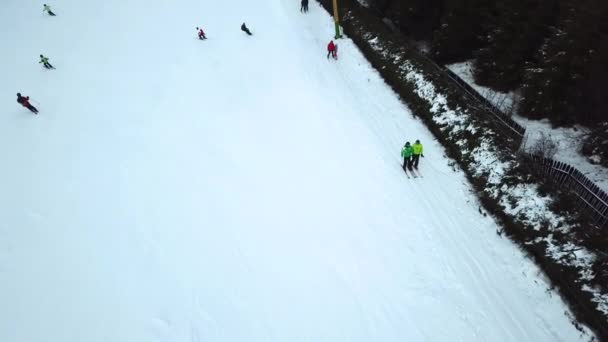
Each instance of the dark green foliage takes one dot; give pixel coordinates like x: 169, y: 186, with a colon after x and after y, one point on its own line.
x: 601, y: 272
x: 461, y: 29
x: 596, y: 145
x: 416, y: 18
x: 566, y: 82
x: 555, y: 51
x: 513, y: 37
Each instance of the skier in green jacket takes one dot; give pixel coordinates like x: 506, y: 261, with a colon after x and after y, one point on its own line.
x: 45, y: 61
x: 406, y: 153
x: 46, y: 8
x: 416, y: 153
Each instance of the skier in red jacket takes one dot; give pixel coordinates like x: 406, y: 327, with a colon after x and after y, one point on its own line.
x: 201, y: 34
x: 332, y: 50
x: 25, y: 102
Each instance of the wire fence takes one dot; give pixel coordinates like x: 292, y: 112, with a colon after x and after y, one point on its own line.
x: 504, y: 118
x: 512, y: 128
x: 591, y: 198
x: 589, y: 195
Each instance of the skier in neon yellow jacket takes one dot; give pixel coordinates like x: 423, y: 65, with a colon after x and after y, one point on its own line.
x: 416, y: 153
x: 45, y: 61
x: 406, y: 153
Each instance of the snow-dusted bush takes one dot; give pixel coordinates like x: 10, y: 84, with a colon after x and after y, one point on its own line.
x: 544, y: 146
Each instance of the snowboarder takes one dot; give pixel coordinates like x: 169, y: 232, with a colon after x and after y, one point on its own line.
x: 406, y: 153
x: 332, y: 49
x: 416, y: 153
x: 25, y: 102
x: 47, y: 9
x: 245, y: 29
x: 201, y: 34
x: 45, y: 61
x: 304, y: 6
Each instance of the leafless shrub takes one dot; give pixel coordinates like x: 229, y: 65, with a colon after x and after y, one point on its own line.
x: 545, y: 146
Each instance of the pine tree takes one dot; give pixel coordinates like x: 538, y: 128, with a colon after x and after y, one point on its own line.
x: 415, y: 18
x: 594, y: 105
x: 561, y: 82
x: 460, y: 30
x: 514, y: 36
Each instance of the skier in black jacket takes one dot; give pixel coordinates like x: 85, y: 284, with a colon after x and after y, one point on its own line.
x: 245, y: 29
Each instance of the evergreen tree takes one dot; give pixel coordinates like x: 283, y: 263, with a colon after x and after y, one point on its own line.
x: 461, y: 30
x: 514, y: 36
x: 415, y: 18
x: 565, y: 78
x: 594, y: 105
x: 555, y: 50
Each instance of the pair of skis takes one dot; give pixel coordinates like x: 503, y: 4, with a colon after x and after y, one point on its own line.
x: 413, y: 173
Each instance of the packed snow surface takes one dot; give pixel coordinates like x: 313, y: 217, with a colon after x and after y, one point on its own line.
x: 234, y: 189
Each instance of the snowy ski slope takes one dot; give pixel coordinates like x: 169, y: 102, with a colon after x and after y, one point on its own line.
x: 235, y: 189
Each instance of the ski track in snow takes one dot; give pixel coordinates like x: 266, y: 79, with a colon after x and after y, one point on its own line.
x: 235, y: 189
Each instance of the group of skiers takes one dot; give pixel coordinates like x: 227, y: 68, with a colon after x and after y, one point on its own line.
x: 411, y: 155
x: 202, y: 36
x: 332, y: 48
x: 25, y: 100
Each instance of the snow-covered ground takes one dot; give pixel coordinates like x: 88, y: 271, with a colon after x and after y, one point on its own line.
x: 235, y: 189
x: 504, y: 101
x: 569, y: 141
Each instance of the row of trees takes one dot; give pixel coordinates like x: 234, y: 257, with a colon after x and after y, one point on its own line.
x: 555, y: 51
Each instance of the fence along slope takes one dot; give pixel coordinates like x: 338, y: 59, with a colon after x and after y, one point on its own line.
x: 571, y: 178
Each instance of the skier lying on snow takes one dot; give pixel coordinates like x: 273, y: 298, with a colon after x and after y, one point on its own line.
x: 25, y: 102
